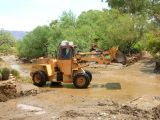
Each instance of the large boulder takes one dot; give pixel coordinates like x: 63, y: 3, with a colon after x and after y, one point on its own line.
x: 25, y: 89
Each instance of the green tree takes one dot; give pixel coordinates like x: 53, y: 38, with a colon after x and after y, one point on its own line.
x: 87, y: 27
x: 7, y: 41
x: 130, y: 6
x: 117, y: 29
x: 67, y: 24
x: 110, y: 27
x: 151, y: 8
x: 35, y: 43
x: 155, y: 7
x: 56, y: 37
x: 153, y: 43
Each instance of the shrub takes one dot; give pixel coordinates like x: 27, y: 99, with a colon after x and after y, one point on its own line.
x: 137, y: 48
x: 5, y: 73
x: 15, y: 73
x: 0, y: 76
x: 153, y: 44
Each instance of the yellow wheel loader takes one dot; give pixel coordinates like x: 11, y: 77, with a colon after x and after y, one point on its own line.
x: 64, y: 69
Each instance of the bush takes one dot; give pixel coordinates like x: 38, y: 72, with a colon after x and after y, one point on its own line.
x: 153, y: 44
x: 15, y: 73
x: 0, y: 76
x: 137, y: 48
x: 5, y: 73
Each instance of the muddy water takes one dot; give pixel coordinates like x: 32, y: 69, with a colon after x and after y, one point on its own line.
x: 118, y: 84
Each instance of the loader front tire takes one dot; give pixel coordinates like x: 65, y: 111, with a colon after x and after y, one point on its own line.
x: 39, y: 78
x: 89, y: 75
x: 81, y: 80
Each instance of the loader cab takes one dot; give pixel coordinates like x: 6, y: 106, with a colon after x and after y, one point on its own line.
x: 66, y: 51
x: 65, y: 60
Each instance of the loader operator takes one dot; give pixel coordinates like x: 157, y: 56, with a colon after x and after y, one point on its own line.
x: 66, y: 53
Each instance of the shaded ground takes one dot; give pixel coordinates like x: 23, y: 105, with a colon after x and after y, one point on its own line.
x: 131, y: 92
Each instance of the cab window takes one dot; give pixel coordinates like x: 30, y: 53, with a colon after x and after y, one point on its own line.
x: 66, y: 53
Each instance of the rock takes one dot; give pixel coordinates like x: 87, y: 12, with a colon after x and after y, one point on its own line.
x: 11, y: 77
x: 3, y: 98
x: 157, y: 67
x: 156, y: 113
x: 103, y: 114
x: 101, y: 104
x: 121, y: 58
x: 99, y: 118
x: 7, y: 90
x: 114, y: 117
x: 27, y: 89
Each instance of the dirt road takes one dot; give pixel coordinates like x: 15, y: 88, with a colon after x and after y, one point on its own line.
x: 129, y: 93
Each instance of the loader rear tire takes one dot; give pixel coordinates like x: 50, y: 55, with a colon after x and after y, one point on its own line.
x: 39, y: 78
x: 89, y: 75
x: 81, y: 80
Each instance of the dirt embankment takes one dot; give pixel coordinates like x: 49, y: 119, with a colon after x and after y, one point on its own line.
x: 10, y: 89
x: 7, y: 90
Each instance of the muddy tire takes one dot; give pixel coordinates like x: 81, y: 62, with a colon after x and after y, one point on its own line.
x: 39, y: 78
x: 121, y: 58
x: 81, y: 80
x: 89, y: 75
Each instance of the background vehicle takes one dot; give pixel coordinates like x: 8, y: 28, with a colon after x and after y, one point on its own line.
x: 102, y: 57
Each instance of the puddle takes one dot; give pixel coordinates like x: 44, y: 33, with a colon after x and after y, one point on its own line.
x: 109, y: 86
x: 29, y: 108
